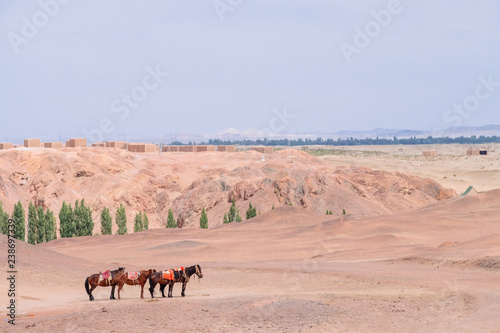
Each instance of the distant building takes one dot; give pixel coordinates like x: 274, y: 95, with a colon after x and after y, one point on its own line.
x: 430, y: 153
x: 263, y: 149
x: 470, y: 152
x: 229, y: 148
x: 77, y: 142
x: 52, y: 145
x: 32, y: 143
x: 142, y: 147
x: 116, y: 144
x: 186, y: 149
x: 6, y: 145
x: 99, y: 144
x: 204, y: 148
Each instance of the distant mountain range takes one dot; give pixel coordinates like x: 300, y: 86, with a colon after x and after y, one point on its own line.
x: 231, y: 134
x: 382, y: 133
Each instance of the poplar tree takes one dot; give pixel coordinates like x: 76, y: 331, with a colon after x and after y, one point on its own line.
x: 50, y: 226
x: 204, y: 219
x: 40, y: 226
x: 106, y: 222
x: 145, y: 221
x: 66, y: 221
x: 121, y: 220
x: 171, y: 220
x: 138, y: 222
x: 251, y: 212
x: 19, y: 218
x: 4, y: 221
x: 32, y: 223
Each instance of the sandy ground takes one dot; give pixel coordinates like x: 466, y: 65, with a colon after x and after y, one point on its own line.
x: 451, y: 168
x: 434, y: 269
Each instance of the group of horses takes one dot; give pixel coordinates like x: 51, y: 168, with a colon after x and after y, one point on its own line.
x: 119, y: 278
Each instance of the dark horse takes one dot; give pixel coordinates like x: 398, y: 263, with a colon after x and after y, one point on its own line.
x: 94, y: 280
x: 179, y: 276
x: 141, y: 280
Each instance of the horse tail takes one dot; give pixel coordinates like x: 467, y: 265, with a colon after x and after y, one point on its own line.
x: 87, y: 286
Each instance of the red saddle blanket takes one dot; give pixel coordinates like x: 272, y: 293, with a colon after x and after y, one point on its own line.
x: 168, y: 275
x: 133, y: 275
x: 105, y: 275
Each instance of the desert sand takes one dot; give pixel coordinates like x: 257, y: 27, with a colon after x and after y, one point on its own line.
x: 409, y: 255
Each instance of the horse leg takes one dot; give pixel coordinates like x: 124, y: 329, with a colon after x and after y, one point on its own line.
x: 112, y: 296
x: 120, y: 286
x: 152, y: 285
x: 170, y: 289
x: 183, y: 289
x: 89, y: 290
x: 162, y: 288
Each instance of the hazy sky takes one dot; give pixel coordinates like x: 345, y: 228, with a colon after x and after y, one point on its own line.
x: 123, y: 67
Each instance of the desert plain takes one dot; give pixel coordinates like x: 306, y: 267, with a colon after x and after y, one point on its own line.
x: 403, y: 250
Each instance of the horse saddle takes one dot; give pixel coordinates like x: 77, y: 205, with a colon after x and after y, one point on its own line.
x: 133, y: 275
x: 168, y: 275
x: 104, y: 276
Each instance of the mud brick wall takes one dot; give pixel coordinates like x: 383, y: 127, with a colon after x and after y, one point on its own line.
x: 32, y: 143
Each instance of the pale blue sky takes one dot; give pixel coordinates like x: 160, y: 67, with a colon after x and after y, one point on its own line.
x: 230, y: 66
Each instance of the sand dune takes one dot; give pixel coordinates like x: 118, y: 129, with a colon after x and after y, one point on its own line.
x: 288, y: 269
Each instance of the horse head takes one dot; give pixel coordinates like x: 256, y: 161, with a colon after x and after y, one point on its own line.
x: 198, y: 271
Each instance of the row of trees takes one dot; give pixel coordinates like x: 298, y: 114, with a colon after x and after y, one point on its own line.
x: 41, y: 225
x: 73, y: 222
x: 234, y: 213
x: 77, y: 221
x: 356, y: 142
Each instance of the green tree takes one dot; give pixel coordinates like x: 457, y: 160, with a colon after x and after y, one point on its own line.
x: 121, y: 220
x: 32, y: 223
x: 145, y: 221
x: 343, y: 211
x: 106, y: 222
x: 171, y: 220
x: 237, y: 218
x: 66, y: 221
x: 204, y: 219
x: 232, y: 211
x: 225, y: 220
x: 19, y: 218
x: 40, y: 226
x: 138, y: 222
x: 251, y: 211
x: 50, y: 226
x: 4, y: 221
x: 84, y: 225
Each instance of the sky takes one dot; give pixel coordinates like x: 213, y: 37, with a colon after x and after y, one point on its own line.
x: 115, y: 69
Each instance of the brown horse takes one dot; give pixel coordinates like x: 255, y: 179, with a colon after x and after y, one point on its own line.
x: 95, y: 280
x: 141, y: 280
x: 179, y: 276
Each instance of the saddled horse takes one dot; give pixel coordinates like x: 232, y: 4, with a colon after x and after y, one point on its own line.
x: 163, y: 278
x: 95, y: 280
x: 143, y: 276
x: 183, y: 276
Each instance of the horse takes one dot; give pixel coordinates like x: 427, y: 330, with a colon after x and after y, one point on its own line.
x: 94, y: 280
x: 182, y: 276
x: 141, y: 280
